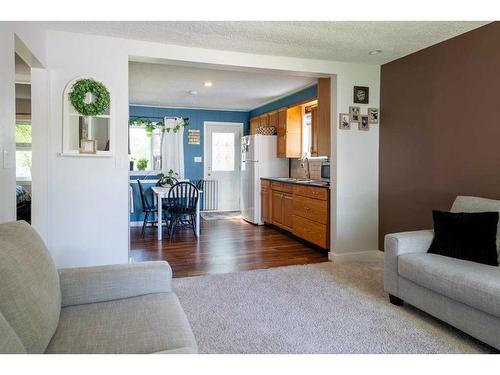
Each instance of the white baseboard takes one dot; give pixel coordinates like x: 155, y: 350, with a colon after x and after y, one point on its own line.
x: 355, y: 256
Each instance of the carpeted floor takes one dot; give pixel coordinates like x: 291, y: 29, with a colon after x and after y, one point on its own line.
x: 319, y: 308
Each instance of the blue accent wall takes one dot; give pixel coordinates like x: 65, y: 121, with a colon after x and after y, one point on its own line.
x: 192, y: 170
x: 309, y: 93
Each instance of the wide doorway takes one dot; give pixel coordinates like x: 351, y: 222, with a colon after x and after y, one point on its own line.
x: 222, y: 165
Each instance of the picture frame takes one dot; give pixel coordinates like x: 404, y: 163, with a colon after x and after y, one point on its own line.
x: 361, y: 94
x: 344, y: 121
x: 354, y: 114
x: 88, y: 146
x: 373, y: 115
x: 364, y: 123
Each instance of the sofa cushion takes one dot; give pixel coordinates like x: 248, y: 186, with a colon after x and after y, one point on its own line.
x: 9, y: 341
x: 476, y: 204
x: 473, y: 284
x: 466, y: 235
x: 145, y: 324
x: 30, y: 296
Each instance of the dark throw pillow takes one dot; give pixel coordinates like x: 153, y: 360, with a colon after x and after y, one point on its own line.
x: 467, y: 236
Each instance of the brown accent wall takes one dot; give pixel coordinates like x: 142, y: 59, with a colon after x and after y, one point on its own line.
x: 441, y: 129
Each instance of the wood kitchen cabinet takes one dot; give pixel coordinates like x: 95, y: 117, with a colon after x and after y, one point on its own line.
x: 272, y: 119
x: 300, y: 209
x: 289, y: 132
x: 265, y: 201
x: 254, y: 124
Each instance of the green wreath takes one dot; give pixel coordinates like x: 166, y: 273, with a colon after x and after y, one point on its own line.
x: 100, y: 93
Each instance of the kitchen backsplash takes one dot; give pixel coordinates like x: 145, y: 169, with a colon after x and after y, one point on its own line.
x: 297, y: 171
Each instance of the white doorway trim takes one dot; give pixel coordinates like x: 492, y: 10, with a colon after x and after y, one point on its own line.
x: 239, y: 126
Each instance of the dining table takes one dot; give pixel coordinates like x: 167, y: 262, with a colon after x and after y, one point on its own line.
x: 161, y: 192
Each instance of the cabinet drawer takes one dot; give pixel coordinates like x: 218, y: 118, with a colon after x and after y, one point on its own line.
x: 313, y: 209
x: 311, y: 231
x: 280, y: 186
x: 265, y: 183
x: 311, y: 192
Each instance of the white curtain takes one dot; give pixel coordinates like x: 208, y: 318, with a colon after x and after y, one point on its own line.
x: 172, y: 150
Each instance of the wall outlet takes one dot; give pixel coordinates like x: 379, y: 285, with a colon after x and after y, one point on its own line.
x: 198, y: 159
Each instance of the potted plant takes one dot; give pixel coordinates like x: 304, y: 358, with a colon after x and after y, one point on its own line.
x: 142, y: 164
x: 167, y: 179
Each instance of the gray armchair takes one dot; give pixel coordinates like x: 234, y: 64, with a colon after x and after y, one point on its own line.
x: 127, y: 308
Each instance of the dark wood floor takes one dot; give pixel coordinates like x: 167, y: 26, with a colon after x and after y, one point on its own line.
x: 224, y: 246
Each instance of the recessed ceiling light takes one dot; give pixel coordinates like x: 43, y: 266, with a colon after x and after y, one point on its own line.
x: 375, y: 52
x: 207, y: 84
x: 193, y: 92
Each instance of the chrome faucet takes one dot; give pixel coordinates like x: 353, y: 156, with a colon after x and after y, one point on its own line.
x: 308, y: 173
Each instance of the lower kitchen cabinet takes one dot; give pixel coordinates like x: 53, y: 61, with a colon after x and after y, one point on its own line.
x: 301, y: 210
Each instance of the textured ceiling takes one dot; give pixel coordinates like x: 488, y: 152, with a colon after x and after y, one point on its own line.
x: 331, y: 40
x: 169, y: 85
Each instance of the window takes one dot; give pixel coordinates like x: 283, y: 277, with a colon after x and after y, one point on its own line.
x: 223, y: 151
x: 144, y: 146
x: 23, y: 150
x: 306, y: 134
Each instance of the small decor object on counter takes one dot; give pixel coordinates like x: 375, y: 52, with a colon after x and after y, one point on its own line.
x: 131, y: 165
x: 266, y: 130
x: 344, y: 121
x: 364, y: 124
x: 373, y: 115
x: 354, y: 113
x: 361, y: 94
x: 142, y: 164
x: 193, y: 136
x: 89, y: 97
x: 88, y: 146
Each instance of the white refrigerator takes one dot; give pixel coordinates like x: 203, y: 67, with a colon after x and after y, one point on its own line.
x: 258, y: 159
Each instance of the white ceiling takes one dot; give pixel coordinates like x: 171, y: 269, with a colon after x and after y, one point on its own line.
x: 169, y: 85
x: 330, y: 40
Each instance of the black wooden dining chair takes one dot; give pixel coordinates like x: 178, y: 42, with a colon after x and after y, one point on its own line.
x: 166, y: 202
x: 183, y: 198
x: 149, y: 209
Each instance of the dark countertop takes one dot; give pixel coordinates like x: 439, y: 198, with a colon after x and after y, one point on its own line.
x: 287, y: 180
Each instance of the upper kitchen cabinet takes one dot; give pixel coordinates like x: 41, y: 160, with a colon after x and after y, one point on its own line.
x: 289, y: 130
x: 323, y: 125
x: 254, y: 125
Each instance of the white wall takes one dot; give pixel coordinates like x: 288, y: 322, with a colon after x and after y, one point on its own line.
x: 7, y: 121
x: 87, y: 198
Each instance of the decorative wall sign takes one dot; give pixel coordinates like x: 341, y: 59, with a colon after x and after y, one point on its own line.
x: 373, y: 115
x: 361, y: 94
x: 193, y: 137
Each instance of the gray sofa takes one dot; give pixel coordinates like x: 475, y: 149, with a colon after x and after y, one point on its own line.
x: 462, y: 293
x: 127, y: 308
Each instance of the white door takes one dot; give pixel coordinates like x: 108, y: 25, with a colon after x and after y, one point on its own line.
x: 222, y: 145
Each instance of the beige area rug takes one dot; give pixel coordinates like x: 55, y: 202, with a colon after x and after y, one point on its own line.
x: 320, y: 308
